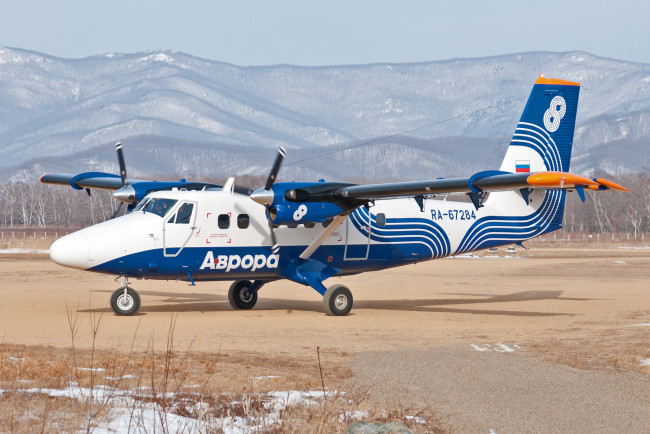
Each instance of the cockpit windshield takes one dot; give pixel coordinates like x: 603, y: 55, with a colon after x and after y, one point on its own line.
x: 157, y: 206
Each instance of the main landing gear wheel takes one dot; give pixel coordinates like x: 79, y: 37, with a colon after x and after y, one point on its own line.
x: 125, y: 302
x: 337, y: 300
x: 239, y: 297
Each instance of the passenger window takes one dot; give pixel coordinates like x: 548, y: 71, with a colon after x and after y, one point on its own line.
x: 381, y: 219
x: 243, y: 221
x: 223, y: 221
x: 184, y: 214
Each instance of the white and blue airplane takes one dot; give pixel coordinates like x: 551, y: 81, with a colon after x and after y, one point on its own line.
x: 308, y: 232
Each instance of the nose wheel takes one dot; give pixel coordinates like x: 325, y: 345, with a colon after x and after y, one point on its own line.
x: 337, y: 300
x: 125, y: 300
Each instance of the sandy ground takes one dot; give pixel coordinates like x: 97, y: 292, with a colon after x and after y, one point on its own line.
x: 555, y: 307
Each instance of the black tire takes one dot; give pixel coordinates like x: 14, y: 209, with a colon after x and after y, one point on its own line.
x: 337, y: 300
x: 125, y: 305
x: 239, y: 297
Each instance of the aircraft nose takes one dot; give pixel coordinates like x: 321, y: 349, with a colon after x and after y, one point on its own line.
x: 70, y: 251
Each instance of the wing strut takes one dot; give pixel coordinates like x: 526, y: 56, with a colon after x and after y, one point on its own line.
x: 323, y: 236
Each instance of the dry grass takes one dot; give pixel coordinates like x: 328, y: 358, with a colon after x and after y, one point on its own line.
x: 201, y: 386
x: 621, y: 349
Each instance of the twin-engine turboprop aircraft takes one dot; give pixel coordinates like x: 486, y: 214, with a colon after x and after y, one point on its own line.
x: 308, y: 232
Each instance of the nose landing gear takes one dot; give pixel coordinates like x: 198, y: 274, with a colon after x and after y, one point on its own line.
x: 125, y: 300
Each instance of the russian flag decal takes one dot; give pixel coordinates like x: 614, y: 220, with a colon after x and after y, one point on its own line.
x: 522, y: 166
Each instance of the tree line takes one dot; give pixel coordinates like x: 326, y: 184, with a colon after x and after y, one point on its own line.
x: 38, y: 205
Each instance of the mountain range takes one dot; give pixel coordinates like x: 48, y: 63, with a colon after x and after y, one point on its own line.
x: 183, y: 116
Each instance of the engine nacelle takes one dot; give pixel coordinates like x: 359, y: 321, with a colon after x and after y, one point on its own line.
x: 287, y: 212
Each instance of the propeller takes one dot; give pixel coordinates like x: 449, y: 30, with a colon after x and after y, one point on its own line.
x: 120, y: 160
x: 265, y: 196
x: 275, y: 169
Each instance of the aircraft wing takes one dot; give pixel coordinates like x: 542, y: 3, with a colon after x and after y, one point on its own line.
x: 133, y: 190
x: 91, y: 180
x: 479, y: 182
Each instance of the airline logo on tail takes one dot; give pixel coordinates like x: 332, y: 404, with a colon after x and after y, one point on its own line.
x: 554, y: 114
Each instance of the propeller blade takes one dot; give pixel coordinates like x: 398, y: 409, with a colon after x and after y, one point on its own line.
x: 117, y: 210
x: 275, y: 247
x: 120, y: 159
x: 276, y: 168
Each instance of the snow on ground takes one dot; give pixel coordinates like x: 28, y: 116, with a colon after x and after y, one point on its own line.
x: 498, y: 347
x: 472, y: 256
x: 645, y: 362
x: 646, y: 324
x: 32, y: 251
x: 139, y: 411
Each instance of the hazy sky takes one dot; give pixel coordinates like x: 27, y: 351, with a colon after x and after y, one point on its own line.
x: 327, y: 32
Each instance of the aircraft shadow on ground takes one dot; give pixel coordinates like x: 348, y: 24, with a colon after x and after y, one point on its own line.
x: 208, y: 302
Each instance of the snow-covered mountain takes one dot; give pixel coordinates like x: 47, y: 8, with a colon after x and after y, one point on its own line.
x: 179, y: 115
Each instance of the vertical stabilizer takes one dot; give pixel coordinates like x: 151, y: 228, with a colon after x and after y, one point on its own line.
x: 544, y: 136
x: 542, y: 142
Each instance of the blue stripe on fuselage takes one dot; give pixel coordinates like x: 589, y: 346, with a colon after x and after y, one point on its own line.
x: 151, y: 264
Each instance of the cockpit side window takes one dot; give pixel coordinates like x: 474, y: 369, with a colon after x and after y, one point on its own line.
x: 184, y: 213
x: 142, y: 204
x: 159, y: 206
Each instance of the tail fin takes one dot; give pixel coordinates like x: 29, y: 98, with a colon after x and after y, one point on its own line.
x: 544, y: 136
x: 542, y: 141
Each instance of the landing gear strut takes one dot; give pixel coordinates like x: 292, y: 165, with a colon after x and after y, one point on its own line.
x: 125, y: 301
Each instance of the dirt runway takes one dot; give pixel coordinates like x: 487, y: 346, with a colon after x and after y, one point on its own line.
x: 583, y: 308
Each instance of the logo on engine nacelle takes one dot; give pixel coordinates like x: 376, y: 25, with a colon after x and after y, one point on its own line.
x: 300, y: 212
x: 232, y: 262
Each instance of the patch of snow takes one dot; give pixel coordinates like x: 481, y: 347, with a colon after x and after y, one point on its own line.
x: 128, y: 412
x: 463, y: 256
x: 619, y: 262
x: 489, y: 257
x: 502, y: 348
x: 633, y: 248
x: 645, y: 362
x: 157, y: 57
x: 498, y: 347
x: 124, y: 377
x: 264, y: 377
x: 352, y: 415
x: 645, y: 324
x: 92, y: 369
x: 14, y: 251
x: 416, y: 419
